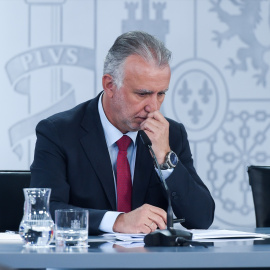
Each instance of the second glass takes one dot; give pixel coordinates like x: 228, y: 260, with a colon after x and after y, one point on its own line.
x: 71, y: 227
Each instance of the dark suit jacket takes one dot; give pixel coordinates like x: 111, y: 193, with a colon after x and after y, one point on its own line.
x: 71, y: 158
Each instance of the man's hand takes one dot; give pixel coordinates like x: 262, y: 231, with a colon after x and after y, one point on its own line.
x: 157, y: 129
x: 144, y: 219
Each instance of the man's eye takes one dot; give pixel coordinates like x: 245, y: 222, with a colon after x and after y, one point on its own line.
x: 162, y: 94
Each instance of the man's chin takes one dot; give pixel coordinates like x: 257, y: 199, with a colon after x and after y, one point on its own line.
x: 135, y: 127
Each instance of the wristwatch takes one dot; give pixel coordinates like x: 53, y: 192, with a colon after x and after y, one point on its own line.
x: 171, y: 161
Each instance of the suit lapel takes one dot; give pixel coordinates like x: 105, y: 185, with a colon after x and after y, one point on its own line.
x: 96, y: 149
x: 143, y: 169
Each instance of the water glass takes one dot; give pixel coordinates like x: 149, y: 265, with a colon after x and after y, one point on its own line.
x: 71, y: 227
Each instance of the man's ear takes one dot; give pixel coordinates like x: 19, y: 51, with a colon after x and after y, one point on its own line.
x: 108, y: 84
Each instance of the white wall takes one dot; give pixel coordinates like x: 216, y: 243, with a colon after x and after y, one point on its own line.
x: 51, y: 59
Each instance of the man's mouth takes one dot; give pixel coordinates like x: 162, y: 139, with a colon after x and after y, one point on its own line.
x: 140, y: 117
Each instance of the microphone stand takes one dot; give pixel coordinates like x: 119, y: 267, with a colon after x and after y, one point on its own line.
x: 169, y: 209
x: 170, y: 236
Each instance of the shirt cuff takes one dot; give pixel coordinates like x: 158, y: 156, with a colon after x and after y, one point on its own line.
x: 106, y: 224
x: 165, y: 173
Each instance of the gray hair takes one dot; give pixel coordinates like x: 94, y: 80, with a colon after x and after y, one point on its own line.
x: 139, y: 43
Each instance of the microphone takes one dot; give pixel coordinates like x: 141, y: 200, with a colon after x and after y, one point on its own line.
x: 170, y: 236
x: 147, y: 142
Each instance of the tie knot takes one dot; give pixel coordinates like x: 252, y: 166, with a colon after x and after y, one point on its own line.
x: 123, y: 143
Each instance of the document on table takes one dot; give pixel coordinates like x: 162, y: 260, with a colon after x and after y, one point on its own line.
x: 224, y: 235
x: 10, y: 238
x: 198, y: 235
x: 125, y: 237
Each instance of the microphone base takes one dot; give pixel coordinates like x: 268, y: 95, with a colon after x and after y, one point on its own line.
x: 166, y: 238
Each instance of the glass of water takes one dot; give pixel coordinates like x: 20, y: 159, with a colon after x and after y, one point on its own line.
x: 71, y: 227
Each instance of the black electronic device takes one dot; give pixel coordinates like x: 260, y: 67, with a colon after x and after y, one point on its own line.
x: 167, y: 237
x: 170, y: 236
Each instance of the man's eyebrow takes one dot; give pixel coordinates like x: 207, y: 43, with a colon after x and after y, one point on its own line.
x: 163, y: 91
x: 146, y: 91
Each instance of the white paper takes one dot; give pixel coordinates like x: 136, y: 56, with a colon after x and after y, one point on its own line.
x: 221, y: 234
x: 10, y: 238
x: 126, y: 237
x: 214, y: 235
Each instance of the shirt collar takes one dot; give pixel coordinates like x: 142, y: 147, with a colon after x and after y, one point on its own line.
x: 112, y: 134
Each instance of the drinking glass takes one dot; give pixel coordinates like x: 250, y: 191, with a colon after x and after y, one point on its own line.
x: 71, y: 227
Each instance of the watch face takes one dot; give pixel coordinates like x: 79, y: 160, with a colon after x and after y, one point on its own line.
x: 173, y: 159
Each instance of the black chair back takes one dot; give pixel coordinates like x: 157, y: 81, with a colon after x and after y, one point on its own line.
x: 12, y: 198
x: 259, y: 180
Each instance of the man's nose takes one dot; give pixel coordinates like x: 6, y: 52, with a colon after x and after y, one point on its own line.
x: 152, y: 104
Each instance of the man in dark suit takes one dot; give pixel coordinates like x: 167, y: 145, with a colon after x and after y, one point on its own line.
x: 77, y: 151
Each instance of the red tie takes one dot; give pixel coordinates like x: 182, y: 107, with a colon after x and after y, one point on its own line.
x: 124, y: 185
